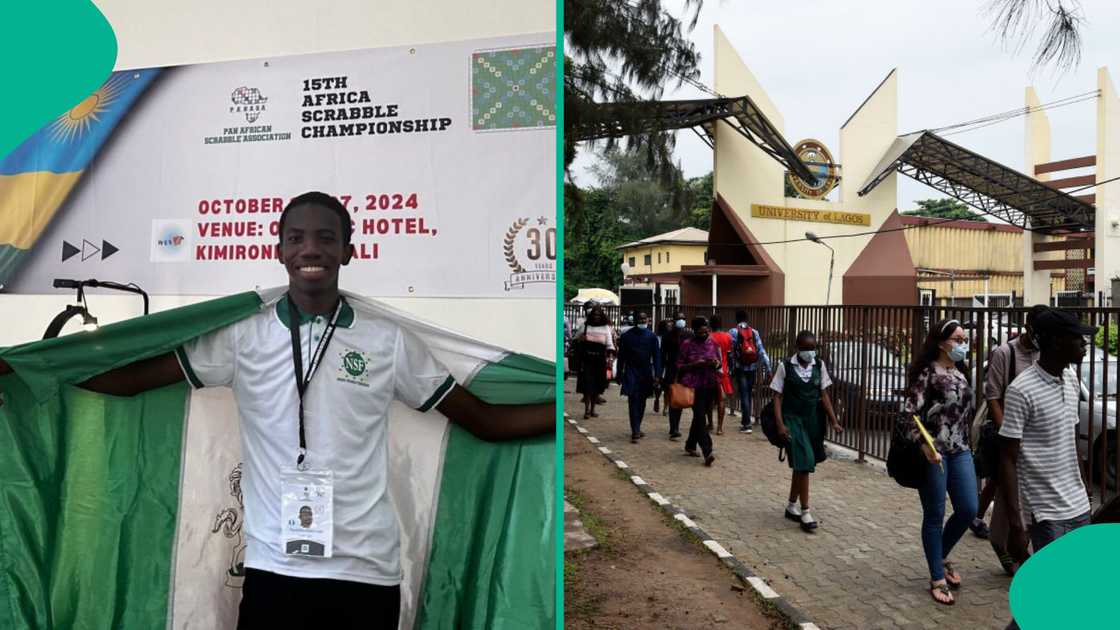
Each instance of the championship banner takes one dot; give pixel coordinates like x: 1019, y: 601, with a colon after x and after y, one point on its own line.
x: 174, y: 179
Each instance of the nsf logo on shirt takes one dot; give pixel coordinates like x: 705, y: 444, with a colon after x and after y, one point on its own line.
x: 354, y: 367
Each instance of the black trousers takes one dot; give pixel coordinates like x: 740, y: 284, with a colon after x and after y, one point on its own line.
x: 637, y: 410
x: 675, y: 421
x: 698, y: 430
x: 271, y: 602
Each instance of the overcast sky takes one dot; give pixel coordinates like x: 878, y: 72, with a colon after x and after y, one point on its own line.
x: 819, y: 60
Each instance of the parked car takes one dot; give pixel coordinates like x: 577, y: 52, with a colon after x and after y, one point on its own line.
x: 883, y: 389
x: 1100, y: 392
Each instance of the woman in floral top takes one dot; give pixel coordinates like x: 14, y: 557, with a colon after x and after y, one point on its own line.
x: 940, y: 394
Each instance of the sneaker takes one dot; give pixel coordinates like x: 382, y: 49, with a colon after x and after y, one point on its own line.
x: 674, y: 436
x: 808, y: 523
x: 709, y: 458
x: 634, y: 439
x: 749, y: 430
x: 691, y: 452
x: 744, y: 430
x: 980, y: 528
x: 731, y: 412
x: 793, y: 512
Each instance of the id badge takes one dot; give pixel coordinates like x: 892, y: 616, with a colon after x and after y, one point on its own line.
x: 307, y: 512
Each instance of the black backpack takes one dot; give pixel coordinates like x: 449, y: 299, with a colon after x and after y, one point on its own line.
x: 770, y: 429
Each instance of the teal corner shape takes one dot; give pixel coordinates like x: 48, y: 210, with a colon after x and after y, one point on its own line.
x: 55, y: 53
x: 1071, y: 582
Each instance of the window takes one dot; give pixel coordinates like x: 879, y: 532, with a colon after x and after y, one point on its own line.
x: 648, y: 260
x: 633, y: 261
x: 666, y: 257
x: 659, y: 258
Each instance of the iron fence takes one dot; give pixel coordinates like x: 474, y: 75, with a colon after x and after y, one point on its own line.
x: 868, y: 349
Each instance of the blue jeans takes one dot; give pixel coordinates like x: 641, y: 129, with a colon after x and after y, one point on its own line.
x: 637, y: 406
x: 938, y: 536
x: 744, y: 382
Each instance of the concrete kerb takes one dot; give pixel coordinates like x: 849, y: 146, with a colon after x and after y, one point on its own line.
x: 766, y: 595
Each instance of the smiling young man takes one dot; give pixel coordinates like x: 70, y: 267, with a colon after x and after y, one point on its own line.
x: 313, y: 378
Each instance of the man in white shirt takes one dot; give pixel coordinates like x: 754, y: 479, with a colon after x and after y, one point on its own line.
x: 313, y: 379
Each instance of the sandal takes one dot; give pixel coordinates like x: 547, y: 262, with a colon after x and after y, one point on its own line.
x: 719, y: 431
x: 947, y: 598
x: 952, y: 578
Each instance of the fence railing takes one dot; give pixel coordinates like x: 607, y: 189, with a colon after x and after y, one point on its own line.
x: 868, y: 349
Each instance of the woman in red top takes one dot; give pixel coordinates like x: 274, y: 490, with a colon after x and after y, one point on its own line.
x: 723, y: 340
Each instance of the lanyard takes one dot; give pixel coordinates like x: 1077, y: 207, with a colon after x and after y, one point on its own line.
x: 302, y: 379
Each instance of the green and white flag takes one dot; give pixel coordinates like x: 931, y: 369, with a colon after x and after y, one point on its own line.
x: 126, y: 512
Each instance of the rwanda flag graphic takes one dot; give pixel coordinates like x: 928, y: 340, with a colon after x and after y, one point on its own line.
x: 37, y: 177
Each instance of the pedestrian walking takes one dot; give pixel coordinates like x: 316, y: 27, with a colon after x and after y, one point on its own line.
x: 663, y: 328
x: 1007, y: 362
x: 639, y: 366
x: 596, y: 349
x: 723, y: 341
x: 670, y: 353
x: 698, y: 367
x: 800, y: 386
x: 747, y: 354
x: 938, y: 392
x: 1040, y: 478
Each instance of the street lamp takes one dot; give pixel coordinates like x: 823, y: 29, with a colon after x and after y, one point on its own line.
x: 831, y: 260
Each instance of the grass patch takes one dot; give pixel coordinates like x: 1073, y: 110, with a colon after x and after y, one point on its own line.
x: 592, y: 523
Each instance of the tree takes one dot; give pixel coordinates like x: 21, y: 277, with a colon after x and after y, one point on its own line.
x: 628, y: 205
x: 944, y: 209
x: 1060, y: 43
x: 625, y: 51
x: 700, y: 190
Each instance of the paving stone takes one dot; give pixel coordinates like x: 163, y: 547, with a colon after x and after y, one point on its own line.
x: 867, y: 552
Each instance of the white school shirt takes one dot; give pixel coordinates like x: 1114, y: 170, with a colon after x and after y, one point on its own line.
x: 370, y: 362
x: 804, y: 373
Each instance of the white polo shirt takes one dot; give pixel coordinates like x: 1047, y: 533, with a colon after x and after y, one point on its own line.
x: 369, y: 363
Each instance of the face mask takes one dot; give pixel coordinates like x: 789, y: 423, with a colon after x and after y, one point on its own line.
x: 643, y: 326
x: 742, y: 324
x: 806, y: 355
x: 680, y: 323
x: 959, y: 352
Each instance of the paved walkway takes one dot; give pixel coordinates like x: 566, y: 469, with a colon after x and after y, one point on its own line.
x: 863, y: 568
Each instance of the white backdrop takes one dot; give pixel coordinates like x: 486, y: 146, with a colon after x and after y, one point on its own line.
x: 160, y: 33
x: 441, y: 162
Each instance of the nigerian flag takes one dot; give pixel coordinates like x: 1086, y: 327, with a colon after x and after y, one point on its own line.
x: 126, y: 512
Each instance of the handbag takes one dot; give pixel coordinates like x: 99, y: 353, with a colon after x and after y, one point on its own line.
x: 906, y: 463
x: 681, y: 396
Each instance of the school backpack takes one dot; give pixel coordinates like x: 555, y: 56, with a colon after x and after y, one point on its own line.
x: 746, y: 352
x: 770, y: 429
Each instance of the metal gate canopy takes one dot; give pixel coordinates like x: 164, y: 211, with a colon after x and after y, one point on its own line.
x: 617, y: 119
x: 982, y: 183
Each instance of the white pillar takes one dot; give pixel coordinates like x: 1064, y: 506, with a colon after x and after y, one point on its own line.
x: 1036, y: 284
x: 715, y: 301
x: 1107, y: 241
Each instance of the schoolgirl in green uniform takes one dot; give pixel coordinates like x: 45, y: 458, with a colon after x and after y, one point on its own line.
x: 800, y: 387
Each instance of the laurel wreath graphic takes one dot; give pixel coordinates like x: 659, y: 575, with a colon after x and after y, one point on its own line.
x: 511, y: 234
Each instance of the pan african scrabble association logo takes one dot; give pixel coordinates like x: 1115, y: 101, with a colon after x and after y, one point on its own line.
x: 529, y: 248
x: 247, y: 104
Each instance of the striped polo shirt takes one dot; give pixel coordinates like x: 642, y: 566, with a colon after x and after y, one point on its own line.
x: 1041, y: 411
